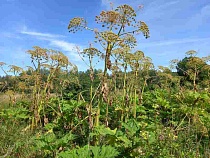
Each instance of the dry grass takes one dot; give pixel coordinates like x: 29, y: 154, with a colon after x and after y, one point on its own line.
x: 5, y: 99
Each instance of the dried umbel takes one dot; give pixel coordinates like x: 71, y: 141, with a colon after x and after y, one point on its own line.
x: 107, y: 17
x: 38, y: 53
x: 76, y: 24
x: 109, y: 36
x: 129, y: 40
x: 191, y: 53
x: 136, y: 59
x: 15, y: 69
x: 139, y: 55
x: 118, y: 51
x: 121, y: 52
x: 91, y: 52
x: 127, y: 14
x: 148, y: 63
x: 143, y: 28
x: 60, y: 58
x: 194, y: 62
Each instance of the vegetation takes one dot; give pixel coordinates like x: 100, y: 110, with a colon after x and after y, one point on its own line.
x: 126, y: 109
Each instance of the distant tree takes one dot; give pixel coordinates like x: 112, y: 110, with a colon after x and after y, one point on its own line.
x: 193, y: 68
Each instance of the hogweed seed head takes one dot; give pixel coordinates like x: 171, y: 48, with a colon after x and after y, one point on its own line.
x: 143, y: 28
x: 15, y: 69
x: 129, y: 40
x: 38, y: 53
x: 76, y: 24
x: 91, y: 52
x: 109, y: 36
x: 107, y: 17
x: 127, y: 14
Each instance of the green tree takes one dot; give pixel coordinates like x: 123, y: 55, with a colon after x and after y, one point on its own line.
x: 193, y: 68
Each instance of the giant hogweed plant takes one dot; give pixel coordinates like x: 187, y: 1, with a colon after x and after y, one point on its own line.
x: 36, y: 83
x: 121, y: 26
x: 55, y: 62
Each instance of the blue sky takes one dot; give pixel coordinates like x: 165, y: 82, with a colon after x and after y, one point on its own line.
x: 176, y: 26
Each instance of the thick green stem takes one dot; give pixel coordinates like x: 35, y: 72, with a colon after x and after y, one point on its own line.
x: 124, y: 92
x: 107, y: 114
x: 194, y: 79
x: 142, y: 91
x: 90, y: 106
x: 98, y: 113
x: 135, y: 95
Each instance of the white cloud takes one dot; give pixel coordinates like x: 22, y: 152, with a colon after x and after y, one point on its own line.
x: 70, y: 48
x: 39, y: 34
x: 66, y: 46
x: 54, y: 41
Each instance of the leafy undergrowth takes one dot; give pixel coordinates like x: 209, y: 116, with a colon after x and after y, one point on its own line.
x: 175, y: 125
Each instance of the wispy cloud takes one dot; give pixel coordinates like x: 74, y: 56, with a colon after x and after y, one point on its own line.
x: 174, y: 42
x: 57, y: 43
x: 71, y: 52
x: 39, y: 34
x: 70, y: 48
x: 24, y: 30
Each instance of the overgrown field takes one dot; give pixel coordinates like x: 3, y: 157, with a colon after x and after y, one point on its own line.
x: 126, y: 109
